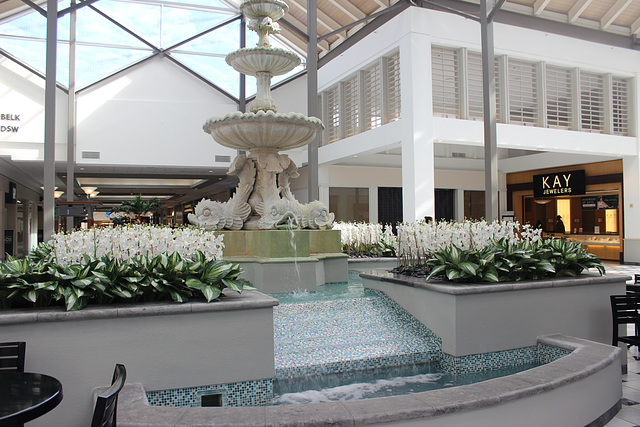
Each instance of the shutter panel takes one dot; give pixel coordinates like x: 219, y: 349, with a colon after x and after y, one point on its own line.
x: 559, y: 96
x: 474, y: 87
x: 445, y: 79
x: 620, y: 94
x: 523, y: 93
x: 592, y: 102
x: 333, y: 115
x: 351, y: 106
x: 372, y: 98
x: 393, y: 96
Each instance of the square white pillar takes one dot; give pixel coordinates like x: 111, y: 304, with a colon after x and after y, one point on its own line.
x: 417, y: 135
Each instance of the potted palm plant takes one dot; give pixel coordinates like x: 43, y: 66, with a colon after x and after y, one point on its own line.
x: 139, y: 207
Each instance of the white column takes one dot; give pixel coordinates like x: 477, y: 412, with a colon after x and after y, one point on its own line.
x: 323, y: 184
x: 373, y: 204
x: 502, y: 193
x: 418, y: 198
x: 631, y: 185
x: 459, y: 204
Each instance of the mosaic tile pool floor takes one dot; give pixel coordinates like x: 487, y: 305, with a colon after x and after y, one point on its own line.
x: 370, y: 331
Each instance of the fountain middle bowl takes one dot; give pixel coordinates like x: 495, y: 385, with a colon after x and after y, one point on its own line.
x: 250, y: 61
x: 247, y: 131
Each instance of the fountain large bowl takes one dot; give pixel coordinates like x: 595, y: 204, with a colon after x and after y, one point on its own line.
x: 250, y: 61
x: 248, y: 131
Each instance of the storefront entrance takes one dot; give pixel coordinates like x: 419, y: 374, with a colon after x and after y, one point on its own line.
x: 590, y: 213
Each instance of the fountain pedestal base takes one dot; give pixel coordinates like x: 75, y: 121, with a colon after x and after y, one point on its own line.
x: 278, y: 261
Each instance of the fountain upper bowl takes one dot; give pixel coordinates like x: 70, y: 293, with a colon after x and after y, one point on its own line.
x: 250, y: 61
x: 255, y: 9
x: 275, y: 131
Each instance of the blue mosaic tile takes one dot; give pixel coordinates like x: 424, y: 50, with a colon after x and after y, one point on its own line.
x: 245, y: 393
x: 322, y: 337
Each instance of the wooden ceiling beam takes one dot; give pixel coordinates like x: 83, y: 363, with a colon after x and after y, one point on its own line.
x: 577, y: 9
x: 348, y: 9
x: 613, y: 12
x: 323, y: 19
x: 635, y: 27
x: 539, y: 5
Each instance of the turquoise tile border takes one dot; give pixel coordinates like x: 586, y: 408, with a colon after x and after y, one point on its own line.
x: 540, y: 354
x: 245, y: 393
x: 357, y: 365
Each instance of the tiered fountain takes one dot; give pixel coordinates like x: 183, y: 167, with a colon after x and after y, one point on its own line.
x: 279, y: 241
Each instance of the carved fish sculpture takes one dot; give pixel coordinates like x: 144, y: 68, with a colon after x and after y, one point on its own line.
x: 232, y: 214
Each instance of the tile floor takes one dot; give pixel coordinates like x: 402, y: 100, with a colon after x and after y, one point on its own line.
x: 629, y: 415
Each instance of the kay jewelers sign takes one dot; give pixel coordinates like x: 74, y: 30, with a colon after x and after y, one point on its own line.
x: 568, y: 183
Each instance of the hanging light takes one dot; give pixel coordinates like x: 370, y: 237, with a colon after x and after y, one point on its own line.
x: 89, y: 190
x: 542, y: 201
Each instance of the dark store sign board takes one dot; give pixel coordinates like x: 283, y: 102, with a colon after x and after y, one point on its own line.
x: 568, y: 183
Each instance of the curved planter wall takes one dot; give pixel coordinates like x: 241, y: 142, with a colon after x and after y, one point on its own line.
x: 163, y: 345
x: 583, y: 388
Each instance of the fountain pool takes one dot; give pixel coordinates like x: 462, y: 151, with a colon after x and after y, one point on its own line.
x: 344, y: 342
x: 581, y: 388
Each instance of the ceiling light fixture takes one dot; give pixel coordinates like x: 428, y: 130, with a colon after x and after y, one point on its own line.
x: 89, y: 190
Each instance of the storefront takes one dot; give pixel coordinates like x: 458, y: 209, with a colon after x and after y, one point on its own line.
x: 587, y: 198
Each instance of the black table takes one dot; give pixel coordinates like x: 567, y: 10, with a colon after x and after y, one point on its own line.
x: 26, y: 395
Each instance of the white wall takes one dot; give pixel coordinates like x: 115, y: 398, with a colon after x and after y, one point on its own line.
x: 22, y: 95
x: 151, y: 115
x: 292, y: 97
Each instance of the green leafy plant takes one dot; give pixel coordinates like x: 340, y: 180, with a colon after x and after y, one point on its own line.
x: 38, y: 281
x: 458, y: 265
x: 570, y: 259
x: 511, y: 261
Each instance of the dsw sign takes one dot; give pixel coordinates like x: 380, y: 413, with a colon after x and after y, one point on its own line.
x: 12, y: 118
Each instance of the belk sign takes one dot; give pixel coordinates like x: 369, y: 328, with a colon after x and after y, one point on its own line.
x: 559, y: 184
x: 9, y: 127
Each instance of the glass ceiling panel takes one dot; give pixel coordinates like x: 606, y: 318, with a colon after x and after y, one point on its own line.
x: 209, y: 3
x: 94, y: 63
x: 221, y: 41
x: 180, y: 24
x: 31, y: 25
x: 214, y: 69
x: 93, y: 28
x: 33, y: 53
x: 142, y: 19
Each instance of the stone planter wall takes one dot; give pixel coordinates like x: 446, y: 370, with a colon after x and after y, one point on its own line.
x: 483, y: 318
x: 162, y: 345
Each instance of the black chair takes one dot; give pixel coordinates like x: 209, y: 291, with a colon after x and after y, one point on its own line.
x: 12, y: 356
x: 104, y: 414
x: 625, y: 311
x: 633, y: 289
